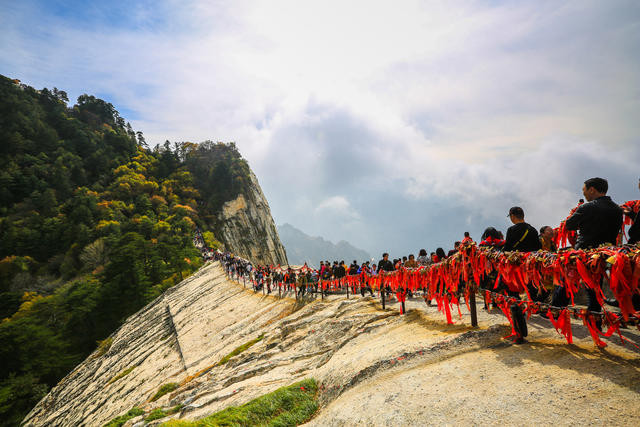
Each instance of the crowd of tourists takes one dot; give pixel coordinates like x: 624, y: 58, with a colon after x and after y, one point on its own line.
x: 597, y: 221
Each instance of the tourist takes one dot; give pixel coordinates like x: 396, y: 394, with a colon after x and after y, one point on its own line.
x: 547, y: 244
x: 467, y: 238
x: 546, y: 239
x: 384, y: 265
x: 491, y: 237
x: 521, y: 237
x: 353, y: 268
x: 456, y: 248
x: 634, y: 231
x: 411, y: 262
x: 598, y: 221
x: 423, y: 259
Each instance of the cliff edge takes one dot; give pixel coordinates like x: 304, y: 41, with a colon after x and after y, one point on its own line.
x: 246, y: 228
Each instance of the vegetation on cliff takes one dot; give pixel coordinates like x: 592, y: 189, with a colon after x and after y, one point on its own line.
x: 93, y: 225
x: 287, y: 406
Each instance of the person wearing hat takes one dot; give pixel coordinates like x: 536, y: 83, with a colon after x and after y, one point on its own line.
x: 521, y: 237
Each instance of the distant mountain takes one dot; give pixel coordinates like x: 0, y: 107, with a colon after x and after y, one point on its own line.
x: 303, y: 248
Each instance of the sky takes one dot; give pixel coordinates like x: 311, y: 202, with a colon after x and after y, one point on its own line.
x: 393, y: 125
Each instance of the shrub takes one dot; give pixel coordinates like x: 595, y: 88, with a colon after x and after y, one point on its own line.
x: 164, y: 389
x: 104, y: 346
x: 286, y: 406
x: 118, y: 421
x: 240, y: 349
x: 121, y: 374
x: 156, y: 414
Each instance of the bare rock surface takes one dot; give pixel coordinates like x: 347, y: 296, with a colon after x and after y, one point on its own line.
x: 374, y: 366
x: 246, y: 228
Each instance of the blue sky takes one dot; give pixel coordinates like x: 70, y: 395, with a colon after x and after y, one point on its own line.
x: 394, y: 126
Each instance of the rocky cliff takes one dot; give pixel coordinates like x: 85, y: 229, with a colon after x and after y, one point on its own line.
x: 246, y: 228
x: 374, y: 366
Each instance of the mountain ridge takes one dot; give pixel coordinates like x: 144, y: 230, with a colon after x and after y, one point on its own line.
x: 303, y: 248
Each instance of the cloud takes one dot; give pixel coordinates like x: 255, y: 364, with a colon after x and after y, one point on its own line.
x: 339, y: 208
x: 405, y: 123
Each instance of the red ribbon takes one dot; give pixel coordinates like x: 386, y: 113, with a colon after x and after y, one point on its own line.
x: 562, y: 325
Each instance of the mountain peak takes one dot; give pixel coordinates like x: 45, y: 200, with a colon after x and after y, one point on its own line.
x: 303, y: 248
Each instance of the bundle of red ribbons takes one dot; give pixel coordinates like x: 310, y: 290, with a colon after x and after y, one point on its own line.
x: 573, y: 269
x: 569, y: 268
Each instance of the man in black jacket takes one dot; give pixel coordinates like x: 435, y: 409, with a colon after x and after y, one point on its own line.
x: 385, y: 265
x: 339, y: 273
x: 353, y: 268
x: 598, y: 221
x: 521, y: 237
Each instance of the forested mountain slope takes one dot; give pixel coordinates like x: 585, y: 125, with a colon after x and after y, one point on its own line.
x: 93, y: 225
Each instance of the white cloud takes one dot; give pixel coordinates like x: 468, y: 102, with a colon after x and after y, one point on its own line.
x: 350, y: 104
x: 337, y: 207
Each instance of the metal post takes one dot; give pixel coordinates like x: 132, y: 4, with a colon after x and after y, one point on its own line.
x: 404, y: 310
x: 382, y: 290
x: 472, y: 306
x: 347, y: 285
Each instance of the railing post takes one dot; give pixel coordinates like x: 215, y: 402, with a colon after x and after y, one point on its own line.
x: 472, y: 305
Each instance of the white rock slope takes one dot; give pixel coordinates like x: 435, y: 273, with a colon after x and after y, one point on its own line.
x: 375, y: 367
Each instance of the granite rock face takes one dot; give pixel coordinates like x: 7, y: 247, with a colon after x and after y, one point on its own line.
x: 246, y: 228
x: 374, y: 366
